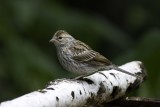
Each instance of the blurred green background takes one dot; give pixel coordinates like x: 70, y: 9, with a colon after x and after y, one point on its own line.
x: 121, y: 30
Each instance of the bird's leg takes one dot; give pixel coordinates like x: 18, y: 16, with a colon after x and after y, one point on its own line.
x: 85, y: 75
x: 88, y: 74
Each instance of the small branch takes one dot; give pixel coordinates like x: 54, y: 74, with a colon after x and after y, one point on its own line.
x: 134, y: 102
x: 101, y: 87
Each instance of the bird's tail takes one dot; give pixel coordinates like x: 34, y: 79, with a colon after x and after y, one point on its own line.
x: 123, y: 71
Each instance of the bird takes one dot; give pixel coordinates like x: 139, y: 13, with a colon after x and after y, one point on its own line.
x: 79, y: 58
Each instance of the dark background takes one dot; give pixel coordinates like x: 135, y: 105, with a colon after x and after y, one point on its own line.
x: 123, y: 31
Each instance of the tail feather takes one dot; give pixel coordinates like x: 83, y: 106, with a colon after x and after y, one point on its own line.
x: 121, y: 70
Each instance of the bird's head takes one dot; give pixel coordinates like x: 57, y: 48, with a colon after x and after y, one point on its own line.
x: 61, y: 38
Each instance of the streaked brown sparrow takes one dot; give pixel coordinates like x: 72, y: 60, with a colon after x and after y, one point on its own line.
x: 77, y: 57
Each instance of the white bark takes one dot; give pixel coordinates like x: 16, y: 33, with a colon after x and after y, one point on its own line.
x: 103, y: 86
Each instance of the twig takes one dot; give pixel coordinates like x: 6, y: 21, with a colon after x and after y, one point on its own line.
x: 135, y: 102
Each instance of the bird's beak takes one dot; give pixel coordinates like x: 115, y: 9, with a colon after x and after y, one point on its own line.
x: 52, y: 40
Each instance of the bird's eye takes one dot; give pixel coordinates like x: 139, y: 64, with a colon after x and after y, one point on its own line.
x: 59, y: 37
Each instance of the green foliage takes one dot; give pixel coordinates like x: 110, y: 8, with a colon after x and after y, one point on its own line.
x: 28, y: 61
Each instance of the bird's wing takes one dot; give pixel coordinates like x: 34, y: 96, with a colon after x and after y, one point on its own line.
x: 84, y: 53
x: 102, y: 59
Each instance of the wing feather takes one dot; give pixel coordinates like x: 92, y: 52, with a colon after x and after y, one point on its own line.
x: 84, y: 53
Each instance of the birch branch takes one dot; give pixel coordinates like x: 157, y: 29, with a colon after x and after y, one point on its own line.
x: 102, y: 86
